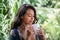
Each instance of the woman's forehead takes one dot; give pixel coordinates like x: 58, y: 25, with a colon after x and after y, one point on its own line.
x: 30, y: 12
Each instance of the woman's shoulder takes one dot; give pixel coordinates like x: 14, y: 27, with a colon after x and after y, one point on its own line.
x: 14, y: 32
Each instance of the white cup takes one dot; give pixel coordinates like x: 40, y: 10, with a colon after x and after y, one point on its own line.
x: 36, y: 27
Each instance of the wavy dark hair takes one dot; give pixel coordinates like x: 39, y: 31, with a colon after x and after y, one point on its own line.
x: 21, y: 11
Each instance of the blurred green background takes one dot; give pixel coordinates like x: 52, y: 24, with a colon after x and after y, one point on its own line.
x: 48, y: 14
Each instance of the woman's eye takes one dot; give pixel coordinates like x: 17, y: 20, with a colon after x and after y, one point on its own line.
x: 29, y: 15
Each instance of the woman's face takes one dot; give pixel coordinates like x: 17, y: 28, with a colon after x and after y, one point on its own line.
x: 28, y: 17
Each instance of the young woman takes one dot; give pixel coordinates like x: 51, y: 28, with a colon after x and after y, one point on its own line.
x: 21, y: 28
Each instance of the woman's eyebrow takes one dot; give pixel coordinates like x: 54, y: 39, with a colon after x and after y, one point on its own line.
x: 31, y: 14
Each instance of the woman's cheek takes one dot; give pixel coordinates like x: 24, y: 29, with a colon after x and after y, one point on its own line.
x: 29, y: 18
x: 33, y: 19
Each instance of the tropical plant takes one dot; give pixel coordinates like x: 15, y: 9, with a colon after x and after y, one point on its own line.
x: 48, y: 16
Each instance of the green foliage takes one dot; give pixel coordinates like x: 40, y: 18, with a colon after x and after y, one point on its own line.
x: 51, y: 23
x: 4, y: 31
x: 48, y: 16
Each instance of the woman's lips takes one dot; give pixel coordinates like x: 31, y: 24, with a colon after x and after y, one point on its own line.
x: 31, y: 21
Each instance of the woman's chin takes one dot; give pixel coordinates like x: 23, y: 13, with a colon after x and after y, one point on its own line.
x: 30, y: 23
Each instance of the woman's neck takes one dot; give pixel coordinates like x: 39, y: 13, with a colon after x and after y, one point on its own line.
x: 26, y: 25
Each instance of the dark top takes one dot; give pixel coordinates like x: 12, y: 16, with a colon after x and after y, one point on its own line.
x: 14, y: 35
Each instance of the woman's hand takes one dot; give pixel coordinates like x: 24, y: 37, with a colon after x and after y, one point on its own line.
x: 30, y: 33
x: 40, y: 32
